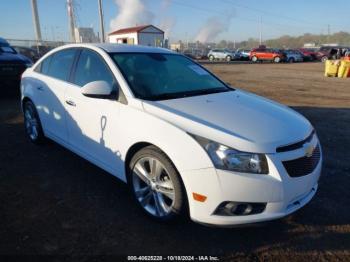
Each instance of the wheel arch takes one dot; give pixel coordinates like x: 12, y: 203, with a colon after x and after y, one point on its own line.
x: 139, y: 146
x: 136, y: 148
x: 25, y: 100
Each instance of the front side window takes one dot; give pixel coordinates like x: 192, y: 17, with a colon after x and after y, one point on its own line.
x: 91, y: 67
x: 154, y: 76
x: 61, y: 64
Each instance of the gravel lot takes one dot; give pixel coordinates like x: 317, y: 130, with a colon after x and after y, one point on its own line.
x: 52, y: 202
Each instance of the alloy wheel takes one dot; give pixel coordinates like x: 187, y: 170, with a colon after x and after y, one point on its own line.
x: 31, y: 123
x: 153, y: 187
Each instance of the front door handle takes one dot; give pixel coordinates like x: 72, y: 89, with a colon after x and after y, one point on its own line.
x: 40, y: 88
x: 70, y: 102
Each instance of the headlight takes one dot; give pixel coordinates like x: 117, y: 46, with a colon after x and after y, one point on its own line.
x: 227, y: 158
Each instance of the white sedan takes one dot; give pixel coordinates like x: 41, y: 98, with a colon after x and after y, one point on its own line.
x: 182, y: 139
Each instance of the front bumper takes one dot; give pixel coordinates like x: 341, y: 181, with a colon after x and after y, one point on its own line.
x: 282, y: 194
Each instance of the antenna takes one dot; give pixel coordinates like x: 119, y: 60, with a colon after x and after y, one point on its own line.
x: 36, y: 20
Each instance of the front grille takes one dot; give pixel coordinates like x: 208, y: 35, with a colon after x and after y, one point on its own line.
x: 295, y: 145
x: 304, y: 165
x: 12, y: 70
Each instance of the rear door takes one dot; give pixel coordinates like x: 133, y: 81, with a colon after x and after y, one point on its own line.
x: 51, y: 84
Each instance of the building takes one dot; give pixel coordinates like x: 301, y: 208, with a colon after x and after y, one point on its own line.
x: 178, y: 47
x: 147, y: 35
x: 85, y: 35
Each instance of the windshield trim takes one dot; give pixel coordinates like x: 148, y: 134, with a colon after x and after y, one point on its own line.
x: 180, y: 94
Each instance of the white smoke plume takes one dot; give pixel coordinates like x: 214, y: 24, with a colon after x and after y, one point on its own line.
x: 213, y: 27
x: 166, y: 22
x: 131, y: 13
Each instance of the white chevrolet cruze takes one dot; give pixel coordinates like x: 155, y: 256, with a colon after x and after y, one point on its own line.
x: 181, y: 138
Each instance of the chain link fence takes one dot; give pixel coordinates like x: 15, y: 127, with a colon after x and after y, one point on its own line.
x: 41, y: 47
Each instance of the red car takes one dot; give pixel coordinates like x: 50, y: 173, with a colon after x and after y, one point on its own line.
x: 266, y: 54
x: 309, y: 53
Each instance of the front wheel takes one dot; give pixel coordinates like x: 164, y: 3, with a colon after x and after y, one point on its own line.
x: 291, y: 60
x: 32, y: 123
x: 156, y: 184
x: 324, y: 59
x: 254, y: 59
x: 211, y: 58
x: 228, y: 58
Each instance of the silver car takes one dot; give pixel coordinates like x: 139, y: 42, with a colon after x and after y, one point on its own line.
x: 221, y: 54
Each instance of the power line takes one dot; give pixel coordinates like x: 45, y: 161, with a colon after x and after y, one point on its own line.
x: 255, y: 20
x: 272, y: 14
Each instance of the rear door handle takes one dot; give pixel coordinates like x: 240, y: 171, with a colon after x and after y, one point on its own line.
x: 70, y: 102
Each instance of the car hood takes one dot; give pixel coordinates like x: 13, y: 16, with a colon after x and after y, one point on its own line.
x: 7, y: 58
x: 237, y: 119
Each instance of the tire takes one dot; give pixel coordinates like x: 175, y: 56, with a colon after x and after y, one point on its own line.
x: 228, y: 58
x: 324, y: 59
x: 211, y: 58
x: 160, y: 193
x: 32, y: 123
x: 277, y: 59
x: 291, y: 60
x: 254, y: 59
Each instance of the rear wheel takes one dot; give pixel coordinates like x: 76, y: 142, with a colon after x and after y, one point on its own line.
x: 156, y: 184
x: 228, y: 58
x: 324, y: 58
x: 254, y: 59
x: 291, y: 60
x: 211, y: 58
x: 32, y: 123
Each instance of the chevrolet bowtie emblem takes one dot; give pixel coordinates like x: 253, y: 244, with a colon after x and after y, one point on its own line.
x: 309, y: 149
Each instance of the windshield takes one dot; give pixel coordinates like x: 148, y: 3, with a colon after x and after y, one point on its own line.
x: 153, y: 76
x: 7, y: 49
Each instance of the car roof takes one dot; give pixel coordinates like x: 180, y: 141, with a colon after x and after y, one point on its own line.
x: 4, y: 42
x: 124, y: 48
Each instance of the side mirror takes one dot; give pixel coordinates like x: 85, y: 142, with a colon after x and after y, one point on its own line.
x: 97, y: 89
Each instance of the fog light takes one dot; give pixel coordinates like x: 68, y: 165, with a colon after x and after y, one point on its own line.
x: 229, y: 208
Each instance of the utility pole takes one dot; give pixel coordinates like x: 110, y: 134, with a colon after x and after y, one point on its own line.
x: 102, y: 28
x: 36, y: 21
x: 328, y: 32
x: 71, y: 20
x: 260, y: 30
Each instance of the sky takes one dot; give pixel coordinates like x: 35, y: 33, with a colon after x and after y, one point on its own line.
x: 188, y: 20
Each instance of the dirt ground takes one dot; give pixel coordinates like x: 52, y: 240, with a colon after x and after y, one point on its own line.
x: 54, y: 203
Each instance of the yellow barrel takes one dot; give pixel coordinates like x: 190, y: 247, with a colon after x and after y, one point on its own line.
x: 344, y: 69
x: 332, y: 67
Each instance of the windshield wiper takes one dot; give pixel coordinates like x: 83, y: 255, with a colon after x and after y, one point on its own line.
x: 190, y: 93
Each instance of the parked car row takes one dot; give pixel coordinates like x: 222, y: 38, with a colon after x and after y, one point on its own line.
x: 279, y: 55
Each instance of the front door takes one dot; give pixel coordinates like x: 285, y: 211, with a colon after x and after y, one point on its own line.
x: 93, y: 123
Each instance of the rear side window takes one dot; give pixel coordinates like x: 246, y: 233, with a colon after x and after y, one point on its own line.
x: 61, y: 64
x: 91, y: 67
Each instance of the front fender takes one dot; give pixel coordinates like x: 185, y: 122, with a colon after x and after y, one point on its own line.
x: 181, y: 148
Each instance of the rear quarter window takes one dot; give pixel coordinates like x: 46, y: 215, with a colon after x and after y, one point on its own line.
x: 43, y: 67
